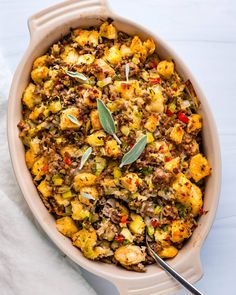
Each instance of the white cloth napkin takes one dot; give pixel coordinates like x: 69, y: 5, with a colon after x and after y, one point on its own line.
x: 29, y: 263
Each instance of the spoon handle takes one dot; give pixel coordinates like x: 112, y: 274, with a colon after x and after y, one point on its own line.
x: 174, y: 274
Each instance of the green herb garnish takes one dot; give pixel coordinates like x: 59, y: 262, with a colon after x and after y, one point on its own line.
x: 73, y: 119
x: 106, y: 119
x: 81, y: 77
x: 85, y: 157
x: 135, y: 152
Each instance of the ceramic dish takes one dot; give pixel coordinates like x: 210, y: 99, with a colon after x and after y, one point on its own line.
x: 48, y: 26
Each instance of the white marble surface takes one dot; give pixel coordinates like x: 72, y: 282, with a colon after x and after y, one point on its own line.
x: 203, y: 33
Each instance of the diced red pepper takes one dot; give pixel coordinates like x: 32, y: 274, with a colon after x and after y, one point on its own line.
x: 169, y: 113
x: 175, y: 89
x: 161, y: 149
x: 131, y: 145
x: 124, y: 219
x: 45, y: 168
x: 155, y: 80
x: 137, y: 182
x: 120, y: 238
x: 67, y: 161
x: 168, y: 159
x: 182, y: 117
x: 155, y: 223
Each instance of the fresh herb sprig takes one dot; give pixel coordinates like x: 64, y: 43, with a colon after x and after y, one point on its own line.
x: 106, y: 120
x: 85, y: 157
x: 135, y: 152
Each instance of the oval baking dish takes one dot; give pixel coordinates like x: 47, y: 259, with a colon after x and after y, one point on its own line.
x: 48, y: 26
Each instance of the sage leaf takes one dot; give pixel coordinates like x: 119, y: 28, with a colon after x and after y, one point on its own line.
x: 106, y: 119
x: 133, y: 154
x: 81, y: 77
x: 87, y: 196
x: 127, y: 72
x: 85, y: 157
x: 73, y: 119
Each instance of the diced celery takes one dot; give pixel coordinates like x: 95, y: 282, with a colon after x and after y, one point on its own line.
x: 67, y: 195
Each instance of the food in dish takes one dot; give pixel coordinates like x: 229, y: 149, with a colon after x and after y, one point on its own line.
x: 113, y: 142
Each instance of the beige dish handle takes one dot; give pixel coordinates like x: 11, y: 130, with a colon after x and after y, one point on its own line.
x: 40, y: 23
x: 163, y: 284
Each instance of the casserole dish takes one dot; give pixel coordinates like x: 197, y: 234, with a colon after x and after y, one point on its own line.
x: 46, y: 27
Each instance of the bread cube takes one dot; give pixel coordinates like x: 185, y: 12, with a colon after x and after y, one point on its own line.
x: 96, y: 139
x: 199, y: 167
x: 78, y: 211
x: 112, y: 149
x: 108, y: 31
x: 127, y: 89
x: 173, y: 165
x: 166, y: 69
x: 86, y: 37
x: 66, y: 226
x: 30, y: 99
x: 168, y: 252
x: 40, y: 74
x: 137, y: 225
x: 195, y: 123
x: 103, y: 69
x: 66, y: 123
x: 84, y: 179
x: 180, y: 230
x: 70, y: 55
x: 152, y: 123
x: 94, y: 117
x: 45, y: 189
x: 177, y: 133
x: 131, y: 182
x: 113, y: 55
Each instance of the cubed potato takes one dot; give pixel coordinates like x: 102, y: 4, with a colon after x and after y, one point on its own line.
x: 30, y: 99
x: 113, y: 55
x: 40, y: 61
x: 188, y: 193
x: 94, y: 117
x: 177, y: 133
x: 152, y: 123
x: 45, y: 189
x: 129, y: 255
x: 166, y: 69
x: 131, y: 182
x: 168, y: 252
x: 70, y: 55
x: 78, y: 210
x: 195, y: 123
x: 84, y: 179
x: 90, y: 96
x: 112, y: 149
x: 180, y: 230
x: 137, y: 225
x: 66, y: 123
x: 199, y: 167
x: 127, y: 89
x: 173, y: 165
x: 66, y: 226
x: 86, y: 239
x: 96, y: 139
x: 108, y: 31
x: 40, y: 74
x: 103, y: 69
x: 86, y: 37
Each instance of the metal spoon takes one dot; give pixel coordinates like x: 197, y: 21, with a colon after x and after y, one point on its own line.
x: 171, y: 271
